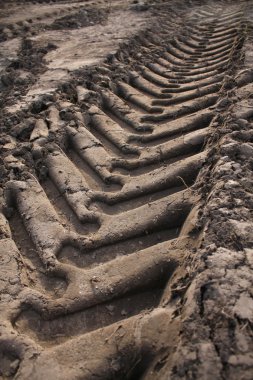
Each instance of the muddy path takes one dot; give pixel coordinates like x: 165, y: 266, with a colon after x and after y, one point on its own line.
x: 126, y: 199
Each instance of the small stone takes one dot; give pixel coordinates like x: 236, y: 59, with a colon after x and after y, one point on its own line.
x: 9, y: 146
x: 110, y: 308
x: 10, y: 158
x: 95, y: 279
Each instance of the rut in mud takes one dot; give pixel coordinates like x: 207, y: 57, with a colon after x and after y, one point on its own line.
x: 99, y: 234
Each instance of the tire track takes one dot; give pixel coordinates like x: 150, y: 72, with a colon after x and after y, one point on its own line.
x: 39, y: 18
x: 111, y: 224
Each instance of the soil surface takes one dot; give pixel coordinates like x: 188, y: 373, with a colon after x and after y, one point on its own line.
x: 126, y: 244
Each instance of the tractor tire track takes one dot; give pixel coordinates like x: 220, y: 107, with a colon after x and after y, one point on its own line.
x: 112, y: 222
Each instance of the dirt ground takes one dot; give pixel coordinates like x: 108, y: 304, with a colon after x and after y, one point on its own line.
x: 126, y: 243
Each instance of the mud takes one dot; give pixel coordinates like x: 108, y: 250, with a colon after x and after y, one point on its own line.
x: 81, y: 19
x: 126, y: 201
x: 21, y: 73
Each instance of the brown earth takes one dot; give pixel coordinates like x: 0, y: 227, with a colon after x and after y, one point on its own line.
x: 126, y: 141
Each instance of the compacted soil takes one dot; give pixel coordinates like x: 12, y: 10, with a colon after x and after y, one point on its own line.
x: 126, y: 243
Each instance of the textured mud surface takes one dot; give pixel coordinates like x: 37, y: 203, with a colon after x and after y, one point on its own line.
x: 51, y: 54
x: 126, y: 240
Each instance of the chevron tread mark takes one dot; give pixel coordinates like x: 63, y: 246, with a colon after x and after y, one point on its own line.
x: 108, y: 228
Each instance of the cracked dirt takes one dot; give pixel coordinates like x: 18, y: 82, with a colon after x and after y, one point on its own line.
x: 126, y: 243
